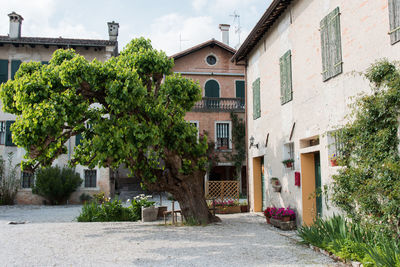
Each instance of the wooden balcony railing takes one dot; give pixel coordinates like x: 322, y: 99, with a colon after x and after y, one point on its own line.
x: 216, y: 104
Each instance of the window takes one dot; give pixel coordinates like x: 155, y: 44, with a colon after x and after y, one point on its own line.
x: 222, y: 130
x: 285, y: 63
x: 335, y: 144
x: 331, y: 48
x: 90, y: 178
x: 14, y: 67
x: 8, y: 137
x: 240, y: 93
x: 256, y: 99
x: 394, y: 18
x: 288, y: 152
x: 211, y: 89
x: 2, y: 132
x: 3, y: 70
x: 27, y: 180
x: 211, y: 60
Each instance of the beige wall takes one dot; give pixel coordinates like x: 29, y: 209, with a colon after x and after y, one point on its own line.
x: 40, y: 53
x: 317, y: 106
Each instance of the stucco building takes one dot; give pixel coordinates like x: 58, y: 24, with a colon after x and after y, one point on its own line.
x: 222, y: 84
x: 15, y: 49
x: 303, y: 60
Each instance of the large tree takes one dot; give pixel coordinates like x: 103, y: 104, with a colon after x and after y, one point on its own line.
x: 129, y: 110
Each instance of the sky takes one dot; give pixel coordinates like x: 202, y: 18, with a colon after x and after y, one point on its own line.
x: 172, y: 25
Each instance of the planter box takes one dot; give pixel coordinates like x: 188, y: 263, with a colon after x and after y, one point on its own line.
x: 227, y: 210
x: 149, y: 214
x: 290, y: 225
x: 243, y: 208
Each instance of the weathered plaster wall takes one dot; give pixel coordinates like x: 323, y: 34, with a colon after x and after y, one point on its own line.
x: 317, y: 106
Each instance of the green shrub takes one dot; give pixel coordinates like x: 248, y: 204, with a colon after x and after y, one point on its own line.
x: 56, y: 184
x: 9, y: 183
x: 113, y: 210
x: 352, y: 241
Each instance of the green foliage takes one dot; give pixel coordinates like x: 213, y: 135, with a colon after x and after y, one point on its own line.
x: 113, y: 210
x: 85, y: 198
x: 9, y: 183
x: 352, y: 241
x: 368, y: 187
x: 238, y: 156
x: 56, y: 184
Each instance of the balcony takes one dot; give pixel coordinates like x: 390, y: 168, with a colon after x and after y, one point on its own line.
x: 216, y: 104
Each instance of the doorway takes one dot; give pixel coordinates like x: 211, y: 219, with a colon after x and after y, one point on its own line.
x: 258, y: 185
x: 311, y: 186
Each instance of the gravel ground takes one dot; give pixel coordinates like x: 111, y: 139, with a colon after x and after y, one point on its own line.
x: 52, y: 238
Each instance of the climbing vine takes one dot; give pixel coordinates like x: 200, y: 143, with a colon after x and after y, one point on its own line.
x: 367, y: 188
x: 238, y: 156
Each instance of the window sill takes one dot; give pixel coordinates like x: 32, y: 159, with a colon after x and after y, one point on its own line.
x: 90, y: 188
x: 224, y: 149
x: 25, y: 189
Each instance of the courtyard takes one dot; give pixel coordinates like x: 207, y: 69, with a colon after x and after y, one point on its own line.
x: 51, y: 237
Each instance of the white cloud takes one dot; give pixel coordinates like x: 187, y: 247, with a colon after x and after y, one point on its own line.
x: 165, y: 32
x: 38, y: 20
x: 199, y: 4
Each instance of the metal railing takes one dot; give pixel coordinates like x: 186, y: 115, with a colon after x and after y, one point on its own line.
x: 216, y: 104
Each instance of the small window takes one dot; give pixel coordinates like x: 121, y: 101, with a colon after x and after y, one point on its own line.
x: 211, y: 60
x: 90, y: 178
x: 222, y: 134
x: 27, y: 180
x: 335, y: 146
x: 196, y: 124
x: 288, y: 152
x: 2, y: 132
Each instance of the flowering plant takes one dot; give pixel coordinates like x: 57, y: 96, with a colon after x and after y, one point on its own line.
x: 229, y: 203
x: 333, y: 156
x: 272, y: 212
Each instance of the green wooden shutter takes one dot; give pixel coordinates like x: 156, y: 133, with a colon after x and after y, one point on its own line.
x: 211, y: 88
x: 9, y: 141
x: 285, y: 63
x: 256, y: 99
x: 331, y: 46
x: 394, y: 18
x: 14, y: 67
x: 78, y: 139
x: 3, y: 70
x: 325, y: 48
x: 240, y: 89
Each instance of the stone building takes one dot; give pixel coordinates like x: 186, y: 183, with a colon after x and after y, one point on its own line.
x: 302, y: 63
x: 15, y: 49
x: 222, y: 84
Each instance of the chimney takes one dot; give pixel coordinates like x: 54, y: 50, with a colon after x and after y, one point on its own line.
x: 113, y: 30
x: 15, y: 25
x: 225, y: 33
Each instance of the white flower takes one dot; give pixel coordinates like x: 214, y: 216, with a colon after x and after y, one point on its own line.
x: 128, y: 200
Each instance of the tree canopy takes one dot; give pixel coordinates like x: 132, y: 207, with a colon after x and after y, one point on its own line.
x: 129, y: 110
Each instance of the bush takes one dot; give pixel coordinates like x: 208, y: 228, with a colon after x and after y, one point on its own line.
x: 9, y: 183
x: 113, y: 210
x: 352, y: 241
x: 85, y: 198
x: 56, y: 184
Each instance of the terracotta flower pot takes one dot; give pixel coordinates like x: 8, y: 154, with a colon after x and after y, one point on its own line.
x: 286, y: 219
x: 289, y: 164
x: 333, y: 162
x: 268, y: 220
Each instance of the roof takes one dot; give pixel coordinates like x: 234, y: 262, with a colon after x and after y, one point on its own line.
x: 202, y: 45
x: 62, y: 42
x: 270, y: 16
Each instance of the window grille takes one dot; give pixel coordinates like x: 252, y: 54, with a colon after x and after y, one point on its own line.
x: 2, y: 132
x: 222, y: 135
x: 27, y: 180
x: 90, y: 178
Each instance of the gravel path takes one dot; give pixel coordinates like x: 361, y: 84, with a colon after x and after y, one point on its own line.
x: 51, y: 239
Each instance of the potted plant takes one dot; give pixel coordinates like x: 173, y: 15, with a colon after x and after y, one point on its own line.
x: 288, y: 214
x: 288, y: 163
x: 243, y: 206
x: 227, y: 207
x: 276, y: 185
x: 333, y: 159
x: 268, y: 212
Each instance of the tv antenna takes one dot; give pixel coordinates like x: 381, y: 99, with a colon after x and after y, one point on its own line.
x: 236, y: 22
x: 180, y: 42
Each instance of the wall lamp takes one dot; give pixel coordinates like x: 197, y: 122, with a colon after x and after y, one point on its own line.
x: 252, y: 142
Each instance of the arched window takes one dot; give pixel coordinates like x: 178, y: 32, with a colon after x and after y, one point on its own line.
x: 211, y: 88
